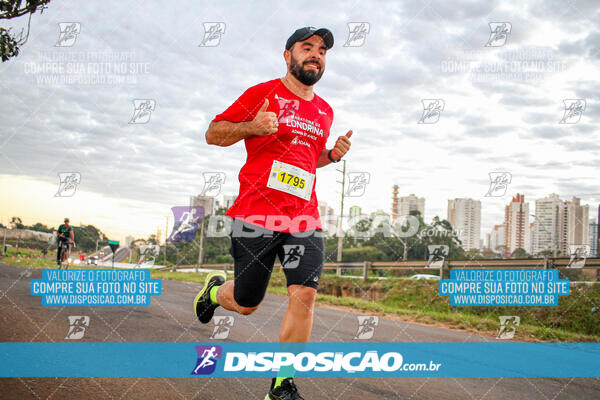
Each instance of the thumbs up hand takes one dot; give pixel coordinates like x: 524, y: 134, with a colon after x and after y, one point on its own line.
x: 342, y: 145
x: 265, y: 122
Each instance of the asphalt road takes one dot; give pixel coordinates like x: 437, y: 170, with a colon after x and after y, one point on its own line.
x: 170, y: 318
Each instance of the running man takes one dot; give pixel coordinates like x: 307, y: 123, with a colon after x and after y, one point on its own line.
x: 285, y: 127
x: 64, y: 236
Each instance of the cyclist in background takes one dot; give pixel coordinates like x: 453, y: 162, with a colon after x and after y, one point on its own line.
x: 64, y: 238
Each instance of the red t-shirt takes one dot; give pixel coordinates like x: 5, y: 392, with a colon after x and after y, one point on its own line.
x: 302, y: 135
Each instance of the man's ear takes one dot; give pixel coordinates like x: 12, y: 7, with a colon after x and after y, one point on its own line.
x: 287, y: 55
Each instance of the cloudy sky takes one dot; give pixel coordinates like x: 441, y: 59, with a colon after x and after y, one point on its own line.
x: 67, y: 108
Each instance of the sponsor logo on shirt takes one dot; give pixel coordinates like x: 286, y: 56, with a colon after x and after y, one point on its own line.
x: 287, y: 109
x: 299, y: 141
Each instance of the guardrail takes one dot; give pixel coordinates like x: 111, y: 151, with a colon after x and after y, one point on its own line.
x: 366, y: 266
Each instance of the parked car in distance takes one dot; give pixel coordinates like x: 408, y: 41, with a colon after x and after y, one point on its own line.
x: 425, y: 276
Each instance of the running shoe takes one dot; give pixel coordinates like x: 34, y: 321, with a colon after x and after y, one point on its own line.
x: 203, y: 306
x: 286, y: 391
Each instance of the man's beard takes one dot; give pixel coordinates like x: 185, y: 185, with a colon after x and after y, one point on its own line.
x: 308, y: 77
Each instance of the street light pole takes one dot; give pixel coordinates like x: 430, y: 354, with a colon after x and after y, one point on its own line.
x: 340, y: 231
x: 4, y: 242
x: 166, y: 241
x: 200, y: 252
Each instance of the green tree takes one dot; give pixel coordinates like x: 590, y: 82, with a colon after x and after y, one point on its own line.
x: 39, y: 227
x: 10, y: 43
x: 17, y: 223
x: 520, y: 253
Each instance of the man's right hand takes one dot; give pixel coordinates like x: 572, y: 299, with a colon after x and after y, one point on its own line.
x: 265, y: 122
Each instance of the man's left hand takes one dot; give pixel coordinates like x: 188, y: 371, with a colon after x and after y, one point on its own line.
x: 342, y: 145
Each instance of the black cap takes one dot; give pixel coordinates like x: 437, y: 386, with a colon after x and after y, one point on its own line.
x: 306, y: 32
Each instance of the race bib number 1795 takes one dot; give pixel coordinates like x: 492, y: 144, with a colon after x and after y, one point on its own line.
x: 291, y: 179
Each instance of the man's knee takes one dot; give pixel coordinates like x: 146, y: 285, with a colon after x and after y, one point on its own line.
x: 246, y: 310
x: 304, y: 296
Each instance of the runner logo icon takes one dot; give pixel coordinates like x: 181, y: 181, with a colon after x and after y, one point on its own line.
x: 508, y: 326
x: 207, y: 359
x: 499, y: 32
x: 223, y: 325
x: 366, y: 326
x: 77, y: 325
x: 68, y: 33
x: 293, y: 252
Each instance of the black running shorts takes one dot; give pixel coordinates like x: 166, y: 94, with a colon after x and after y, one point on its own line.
x: 254, y: 249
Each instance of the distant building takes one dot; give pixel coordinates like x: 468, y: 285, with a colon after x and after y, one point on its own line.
x: 573, y: 225
x: 598, y: 234
x: 228, y: 200
x: 593, y: 238
x: 404, y: 205
x: 207, y: 202
x: 545, y: 222
x: 516, y: 222
x: 380, y: 214
x: 128, y: 241
x: 496, y: 238
x: 355, y: 211
x: 465, y: 217
x: 328, y: 219
x: 530, y: 239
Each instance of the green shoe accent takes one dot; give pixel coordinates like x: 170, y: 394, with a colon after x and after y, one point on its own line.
x: 213, y: 295
x: 278, y: 381
x: 203, y: 306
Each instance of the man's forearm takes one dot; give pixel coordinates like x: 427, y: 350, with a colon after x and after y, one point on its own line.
x: 323, y: 159
x: 225, y: 133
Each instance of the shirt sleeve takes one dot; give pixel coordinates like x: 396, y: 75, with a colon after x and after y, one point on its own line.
x: 244, y: 108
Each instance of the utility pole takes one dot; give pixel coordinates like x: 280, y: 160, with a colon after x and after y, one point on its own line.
x: 166, y: 240
x: 4, y: 242
x: 340, y: 231
x: 200, y: 253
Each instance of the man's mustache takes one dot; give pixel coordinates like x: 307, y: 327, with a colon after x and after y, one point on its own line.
x: 312, y: 61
